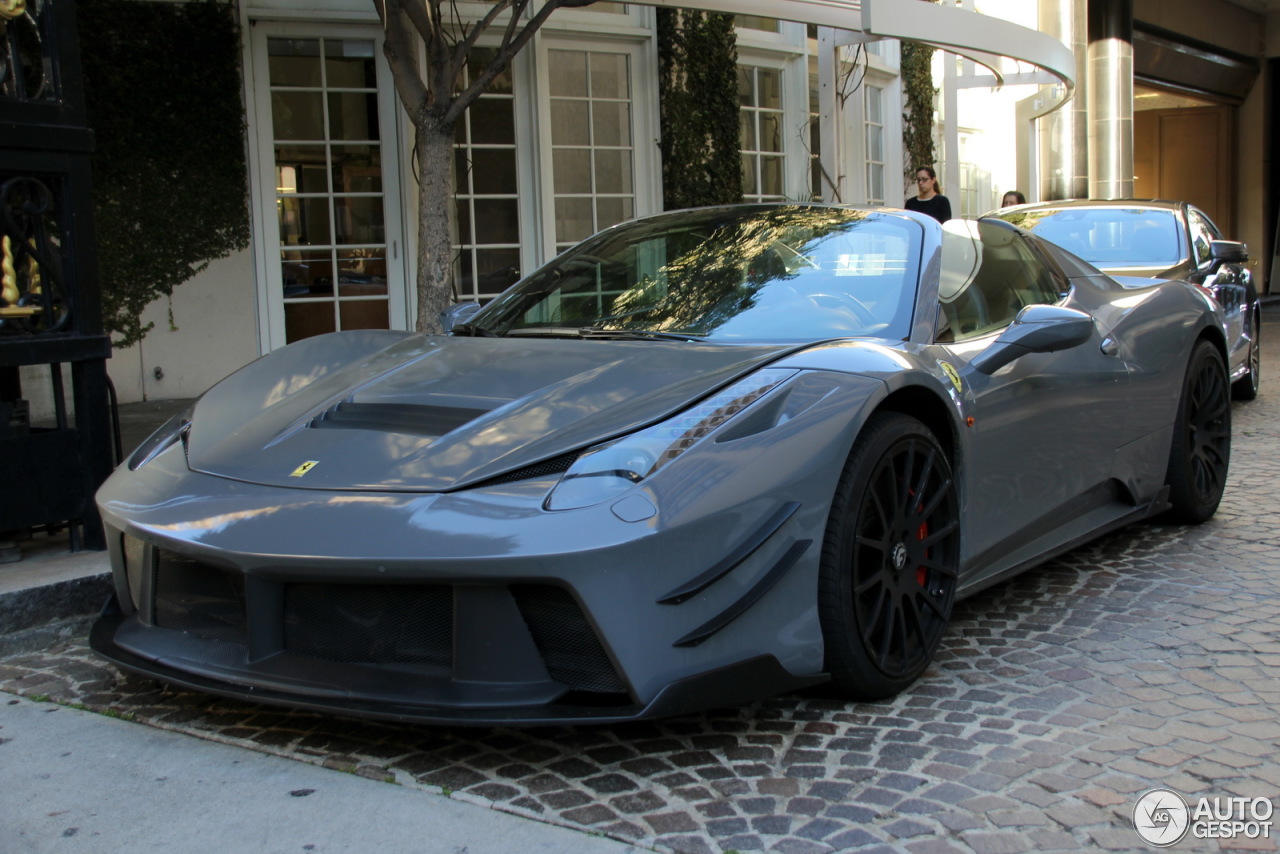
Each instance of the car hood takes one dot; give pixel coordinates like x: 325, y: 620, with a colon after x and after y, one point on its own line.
x: 431, y: 413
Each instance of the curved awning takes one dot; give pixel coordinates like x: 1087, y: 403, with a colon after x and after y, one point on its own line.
x: 979, y: 37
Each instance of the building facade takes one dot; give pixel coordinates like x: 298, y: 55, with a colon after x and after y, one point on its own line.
x: 566, y: 144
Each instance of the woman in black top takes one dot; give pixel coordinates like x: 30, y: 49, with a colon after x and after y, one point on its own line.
x: 929, y: 200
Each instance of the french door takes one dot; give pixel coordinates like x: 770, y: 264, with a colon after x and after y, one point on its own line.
x: 327, y: 183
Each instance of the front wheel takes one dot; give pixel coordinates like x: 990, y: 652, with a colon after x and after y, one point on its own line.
x: 1201, y: 449
x: 890, y: 559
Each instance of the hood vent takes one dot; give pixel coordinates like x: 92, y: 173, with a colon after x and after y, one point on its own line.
x: 411, y: 418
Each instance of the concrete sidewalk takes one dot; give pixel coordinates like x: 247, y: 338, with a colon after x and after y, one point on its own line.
x: 75, y: 782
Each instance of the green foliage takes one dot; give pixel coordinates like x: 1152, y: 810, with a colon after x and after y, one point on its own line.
x: 163, y: 92
x: 698, y: 87
x: 917, y: 121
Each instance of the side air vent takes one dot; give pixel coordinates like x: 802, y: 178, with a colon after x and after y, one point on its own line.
x: 412, y: 418
x: 555, y: 465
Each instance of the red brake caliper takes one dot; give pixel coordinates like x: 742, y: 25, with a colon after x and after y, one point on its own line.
x: 921, y: 534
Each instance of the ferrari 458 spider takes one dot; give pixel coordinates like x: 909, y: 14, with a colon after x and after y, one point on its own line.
x: 697, y: 459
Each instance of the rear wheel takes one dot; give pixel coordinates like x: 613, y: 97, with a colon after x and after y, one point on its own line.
x: 1201, y: 450
x: 1246, y: 388
x: 890, y: 559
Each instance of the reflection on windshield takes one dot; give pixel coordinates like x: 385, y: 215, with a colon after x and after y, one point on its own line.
x: 749, y: 273
x: 1109, y: 237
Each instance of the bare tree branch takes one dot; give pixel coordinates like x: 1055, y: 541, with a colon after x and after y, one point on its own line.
x: 402, y: 56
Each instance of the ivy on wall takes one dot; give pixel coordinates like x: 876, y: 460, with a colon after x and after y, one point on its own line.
x: 163, y: 93
x: 917, y: 118
x: 698, y: 88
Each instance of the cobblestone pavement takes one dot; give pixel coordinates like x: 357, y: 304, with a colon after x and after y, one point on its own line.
x: 1149, y: 658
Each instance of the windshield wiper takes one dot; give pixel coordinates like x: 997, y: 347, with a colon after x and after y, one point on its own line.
x: 637, y: 334
x: 471, y: 330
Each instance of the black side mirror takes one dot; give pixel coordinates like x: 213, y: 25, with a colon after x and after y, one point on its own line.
x: 1229, y: 251
x: 1036, y: 329
x: 458, y: 313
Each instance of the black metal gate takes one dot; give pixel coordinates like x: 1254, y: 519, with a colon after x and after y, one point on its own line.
x: 50, y: 305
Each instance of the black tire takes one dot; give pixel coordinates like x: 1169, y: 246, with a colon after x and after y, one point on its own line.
x: 890, y: 559
x: 1201, y: 451
x: 1246, y: 388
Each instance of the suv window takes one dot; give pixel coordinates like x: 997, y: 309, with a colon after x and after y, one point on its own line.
x: 989, y: 274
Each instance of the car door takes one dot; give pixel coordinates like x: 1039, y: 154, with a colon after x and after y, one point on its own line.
x: 1227, y: 281
x: 1045, y: 428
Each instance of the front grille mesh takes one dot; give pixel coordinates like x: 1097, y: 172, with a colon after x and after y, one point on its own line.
x: 371, y: 624
x: 568, y: 644
x: 376, y: 624
x: 199, y: 599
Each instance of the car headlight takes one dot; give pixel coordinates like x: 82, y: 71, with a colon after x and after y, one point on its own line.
x: 610, y: 469
x: 171, y: 431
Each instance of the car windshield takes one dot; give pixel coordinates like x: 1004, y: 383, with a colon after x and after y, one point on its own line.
x: 747, y: 273
x: 1109, y: 237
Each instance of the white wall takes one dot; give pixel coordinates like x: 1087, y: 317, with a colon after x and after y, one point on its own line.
x: 216, y: 332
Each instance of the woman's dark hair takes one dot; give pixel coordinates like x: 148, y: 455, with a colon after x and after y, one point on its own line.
x: 1017, y: 195
x: 937, y: 188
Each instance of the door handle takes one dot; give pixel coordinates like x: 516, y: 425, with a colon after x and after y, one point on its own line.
x: 1109, y: 347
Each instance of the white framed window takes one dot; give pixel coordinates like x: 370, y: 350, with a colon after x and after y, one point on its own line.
x: 874, y: 137
x: 598, y: 160
x: 487, y: 228
x: 326, y: 183
x: 761, y: 120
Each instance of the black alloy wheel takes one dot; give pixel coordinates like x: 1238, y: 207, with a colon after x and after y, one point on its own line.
x: 1201, y: 451
x: 1246, y: 388
x: 890, y: 559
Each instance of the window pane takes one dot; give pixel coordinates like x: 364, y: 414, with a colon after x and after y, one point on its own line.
x: 569, y: 123
x: 364, y: 314
x: 306, y: 272
x: 493, y: 170
x: 477, y: 59
x: 611, y: 122
x: 572, y: 167
x: 297, y: 115
x: 747, y: 125
x: 612, y: 211
x: 499, y: 268
x: 463, y: 212
x: 305, y: 319
x: 349, y: 64
x: 875, y: 144
x: 294, y: 62
x: 303, y: 221
x: 613, y: 171
x: 568, y: 73
x: 497, y: 221
x: 749, y: 175
x: 770, y: 132
x: 746, y: 86
x: 357, y: 168
x: 353, y: 115
x: 609, y: 76
x: 771, y: 176
x: 874, y: 105
x: 492, y: 121
x: 301, y: 169
x: 875, y: 178
x: 770, y: 82
x: 362, y: 267
x: 359, y: 219
x: 573, y: 220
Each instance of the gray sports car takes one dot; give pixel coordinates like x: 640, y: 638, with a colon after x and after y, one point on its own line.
x: 697, y: 459
x: 1167, y: 240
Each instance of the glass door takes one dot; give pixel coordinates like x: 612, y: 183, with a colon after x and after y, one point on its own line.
x: 332, y: 217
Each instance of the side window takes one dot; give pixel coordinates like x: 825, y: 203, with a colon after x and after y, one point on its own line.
x: 988, y: 275
x: 1203, y: 232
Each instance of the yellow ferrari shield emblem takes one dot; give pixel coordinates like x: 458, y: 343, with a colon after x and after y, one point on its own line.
x: 304, y: 468
x: 952, y: 374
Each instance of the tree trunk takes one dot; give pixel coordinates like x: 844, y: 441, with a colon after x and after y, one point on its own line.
x: 435, y: 246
